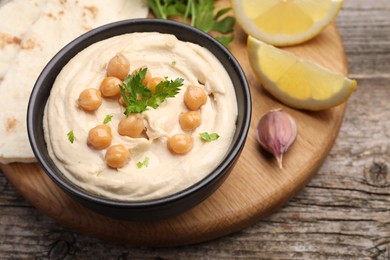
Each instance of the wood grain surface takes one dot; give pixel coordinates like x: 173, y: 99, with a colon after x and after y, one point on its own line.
x: 342, y: 213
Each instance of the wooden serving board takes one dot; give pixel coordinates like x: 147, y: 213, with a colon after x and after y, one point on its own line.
x: 255, y: 188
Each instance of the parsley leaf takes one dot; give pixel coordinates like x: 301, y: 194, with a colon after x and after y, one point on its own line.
x: 71, y: 136
x: 200, y: 13
x: 165, y: 89
x: 134, y: 93
x: 145, y: 163
x: 206, y: 137
x: 138, y: 97
x: 107, y: 119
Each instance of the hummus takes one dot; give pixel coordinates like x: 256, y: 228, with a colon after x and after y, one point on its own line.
x: 165, y: 173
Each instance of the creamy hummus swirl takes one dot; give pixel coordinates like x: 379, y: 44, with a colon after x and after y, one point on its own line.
x: 166, y: 173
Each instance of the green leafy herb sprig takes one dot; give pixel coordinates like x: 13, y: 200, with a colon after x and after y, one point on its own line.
x: 138, y: 97
x: 144, y: 163
x: 107, y: 119
x: 71, y: 136
x: 200, y: 14
x: 206, y: 137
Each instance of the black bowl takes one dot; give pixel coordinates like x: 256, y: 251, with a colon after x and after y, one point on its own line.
x: 157, y: 208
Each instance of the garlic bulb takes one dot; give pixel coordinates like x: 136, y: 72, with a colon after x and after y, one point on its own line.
x: 276, y: 132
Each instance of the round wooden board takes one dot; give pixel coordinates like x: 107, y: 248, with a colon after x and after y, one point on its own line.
x: 256, y: 187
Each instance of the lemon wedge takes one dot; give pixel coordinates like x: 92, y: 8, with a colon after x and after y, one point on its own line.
x: 295, y: 81
x: 285, y: 22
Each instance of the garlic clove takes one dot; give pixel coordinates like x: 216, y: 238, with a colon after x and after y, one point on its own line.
x: 276, y: 132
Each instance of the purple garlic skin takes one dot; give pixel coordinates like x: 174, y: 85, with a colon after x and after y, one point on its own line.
x: 276, y: 132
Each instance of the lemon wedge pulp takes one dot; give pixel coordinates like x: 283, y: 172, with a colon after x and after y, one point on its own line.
x: 295, y: 81
x: 285, y: 22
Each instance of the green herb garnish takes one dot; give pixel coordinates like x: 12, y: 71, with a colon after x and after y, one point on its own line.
x: 145, y: 163
x: 173, y: 63
x: 71, y: 137
x: 199, y: 13
x: 206, y: 137
x: 107, y: 119
x: 138, y: 97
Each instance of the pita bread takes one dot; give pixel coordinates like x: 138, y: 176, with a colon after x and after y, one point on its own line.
x: 28, y: 41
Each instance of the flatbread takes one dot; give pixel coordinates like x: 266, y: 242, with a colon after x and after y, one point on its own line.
x: 33, y: 32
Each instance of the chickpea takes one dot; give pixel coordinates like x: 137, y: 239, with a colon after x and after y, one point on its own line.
x: 118, y: 67
x: 153, y: 82
x: 148, y: 74
x: 117, y: 156
x: 100, y: 137
x: 131, y: 126
x: 110, y: 86
x: 190, y: 120
x: 122, y: 101
x: 90, y: 99
x: 194, y: 97
x: 180, y: 143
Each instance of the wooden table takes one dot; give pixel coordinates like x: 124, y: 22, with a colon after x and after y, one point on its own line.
x: 343, y: 213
